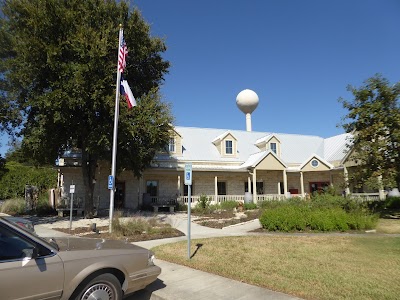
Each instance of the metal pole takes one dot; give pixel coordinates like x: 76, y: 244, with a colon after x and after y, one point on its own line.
x: 70, y: 211
x: 114, y: 149
x: 189, y: 208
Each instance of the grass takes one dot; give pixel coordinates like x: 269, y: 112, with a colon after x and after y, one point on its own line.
x: 389, y: 226
x: 310, y: 267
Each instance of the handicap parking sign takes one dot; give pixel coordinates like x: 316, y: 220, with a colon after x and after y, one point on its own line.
x: 110, y: 182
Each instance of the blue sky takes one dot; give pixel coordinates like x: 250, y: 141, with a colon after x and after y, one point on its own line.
x: 298, y: 56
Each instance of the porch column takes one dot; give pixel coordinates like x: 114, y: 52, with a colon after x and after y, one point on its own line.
x: 381, y: 190
x: 302, y: 184
x: 285, y: 191
x: 216, y: 189
x: 254, y: 187
x: 279, y: 188
x: 346, y: 180
x: 178, y: 186
x: 249, y: 184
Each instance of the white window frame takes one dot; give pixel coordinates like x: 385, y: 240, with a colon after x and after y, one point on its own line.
x: 226, y: 147
x: 276, y: 147
x: 314, y: 160
x: 172, y: 145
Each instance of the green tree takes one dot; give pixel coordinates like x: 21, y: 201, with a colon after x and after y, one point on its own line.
x: 374, y: 119
x: 58, y: 64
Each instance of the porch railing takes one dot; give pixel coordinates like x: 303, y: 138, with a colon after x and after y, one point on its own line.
x: 165, y: 200
x: 223, y: 198
x: 365, y: 196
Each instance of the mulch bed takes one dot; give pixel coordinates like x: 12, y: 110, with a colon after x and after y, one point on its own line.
x: 104, y: 234
x: 217, y: 220
x: 225, y: 218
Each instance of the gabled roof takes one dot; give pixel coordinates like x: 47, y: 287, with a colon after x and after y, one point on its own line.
x: 222, y: 136
x: 256, y: 158
x: 295, y: 149
x: 317, y: 157
x: 266, y: 139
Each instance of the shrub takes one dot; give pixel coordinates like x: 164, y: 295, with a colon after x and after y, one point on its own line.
x: 12, y: 183
x: 392, y: 202
x: 230, y: 204
x: 249, y: 206
x: 323, y: 213
x: 13, y: 206
x: 43, y: 207
x: 181, y: 207
x: 286, y: 217
x: 203, y: 205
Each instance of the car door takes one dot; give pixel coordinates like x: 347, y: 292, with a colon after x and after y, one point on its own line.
x: 22, y: 277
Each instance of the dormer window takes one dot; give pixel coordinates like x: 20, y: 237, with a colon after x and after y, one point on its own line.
x: 171, y: 145
x: 272, y: 146
x: 228, y: 147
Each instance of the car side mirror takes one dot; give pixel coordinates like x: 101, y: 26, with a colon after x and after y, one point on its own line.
x: 31, y: 253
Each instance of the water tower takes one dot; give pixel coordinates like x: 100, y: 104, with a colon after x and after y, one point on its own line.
x: 247, y: 101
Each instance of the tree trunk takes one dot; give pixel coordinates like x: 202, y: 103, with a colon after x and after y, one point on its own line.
x: 88, y: 174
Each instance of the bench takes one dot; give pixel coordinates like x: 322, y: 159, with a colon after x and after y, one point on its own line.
x: 65, y: 211
x: 157, y: 206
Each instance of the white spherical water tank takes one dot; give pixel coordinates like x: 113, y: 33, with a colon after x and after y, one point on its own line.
x: 247, y: 101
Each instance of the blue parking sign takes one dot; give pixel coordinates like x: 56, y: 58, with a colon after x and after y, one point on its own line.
x: 110, y: 182
x: 188, y: 174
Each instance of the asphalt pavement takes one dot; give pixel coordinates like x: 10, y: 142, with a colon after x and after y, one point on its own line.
x: 178, y: 282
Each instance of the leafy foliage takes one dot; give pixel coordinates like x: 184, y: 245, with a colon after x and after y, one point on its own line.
x: 12, y: 184
x: 322, y: 213
x: 14, y: 206
x: 58, y: 73
x: 374, y: 119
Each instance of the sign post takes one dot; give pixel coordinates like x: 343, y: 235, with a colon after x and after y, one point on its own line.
x: 72, y: 192
x: 188, y: 182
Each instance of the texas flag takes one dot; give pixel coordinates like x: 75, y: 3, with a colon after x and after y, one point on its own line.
x: 127, y: 93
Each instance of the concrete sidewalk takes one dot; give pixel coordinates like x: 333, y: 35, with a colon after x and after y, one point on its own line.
x: 178, y: 282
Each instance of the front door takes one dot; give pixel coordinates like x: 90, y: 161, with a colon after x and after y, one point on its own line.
x: 120, y: 195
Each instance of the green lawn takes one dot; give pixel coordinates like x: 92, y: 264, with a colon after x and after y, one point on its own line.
x: 311, y: 267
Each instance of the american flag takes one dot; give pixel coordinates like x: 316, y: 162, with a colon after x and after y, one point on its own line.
x: 123, y: 53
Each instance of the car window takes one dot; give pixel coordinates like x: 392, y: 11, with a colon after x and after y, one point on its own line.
x: 13, y: 246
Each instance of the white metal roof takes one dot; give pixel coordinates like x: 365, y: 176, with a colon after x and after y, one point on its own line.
x: 197, y: 145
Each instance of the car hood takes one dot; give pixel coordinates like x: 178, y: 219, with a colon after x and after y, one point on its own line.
x: 77, y: 244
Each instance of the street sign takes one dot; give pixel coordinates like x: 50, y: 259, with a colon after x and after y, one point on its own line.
x: 72, y: 188
x: 110, y: 182
x: 188, y: 174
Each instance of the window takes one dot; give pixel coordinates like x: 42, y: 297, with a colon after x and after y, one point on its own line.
x: 221, y: 188
x: 171, y: 145
x: 259, y: 187
x: 314, y: 163
x: 272, y: 146
x: 228, y: 147
x: 13, y: 247
x: 152, y: 188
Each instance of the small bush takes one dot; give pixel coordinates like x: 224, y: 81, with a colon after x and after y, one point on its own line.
x: 13, y: 206
x: 392, y: 202
x: 203, y: 205
x: 229, y: 205
x: 250, y: 206
x: 181, y: 207
x: 43, y: 207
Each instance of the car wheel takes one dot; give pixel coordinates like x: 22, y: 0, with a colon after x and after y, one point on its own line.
x: 105, y: 286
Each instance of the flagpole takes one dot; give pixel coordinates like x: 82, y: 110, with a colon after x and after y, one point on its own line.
x: 115, y: 136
